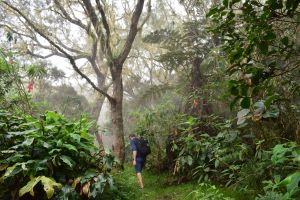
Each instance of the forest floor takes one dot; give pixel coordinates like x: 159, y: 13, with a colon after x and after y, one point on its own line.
x: 156, y: 188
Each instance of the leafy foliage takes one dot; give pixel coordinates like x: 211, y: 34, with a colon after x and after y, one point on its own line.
x: 12, y: 92
x: 207, y: 192
x: 53, y: 151
x: 261, y: 44
x: 155, y: 125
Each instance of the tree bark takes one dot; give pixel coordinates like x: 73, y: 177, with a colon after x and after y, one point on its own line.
x: 201, y: 106
x: 100, y: 101
x: 197, y: 78
x: 118, y: 145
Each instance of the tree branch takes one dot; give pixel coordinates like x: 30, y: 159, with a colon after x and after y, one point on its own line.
x: 92, y: 15
x: 74, y: 21
x: 54, y: 53
x: 71, y: 59
x: 132, y: 32
x: 106, y: 27
x: 92, y: 59
x: 147, y: 16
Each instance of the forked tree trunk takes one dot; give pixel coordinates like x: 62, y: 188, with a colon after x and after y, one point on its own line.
x: 118, y: 145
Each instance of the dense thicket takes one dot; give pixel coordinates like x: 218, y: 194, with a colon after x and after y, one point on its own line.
x: 252, y: 68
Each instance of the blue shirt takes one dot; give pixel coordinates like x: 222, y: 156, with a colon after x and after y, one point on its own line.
x: 134, y: 148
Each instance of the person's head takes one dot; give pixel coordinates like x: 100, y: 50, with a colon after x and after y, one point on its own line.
x: 131, y: 136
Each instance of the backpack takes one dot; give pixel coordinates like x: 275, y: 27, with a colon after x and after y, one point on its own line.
x: 143, y: 147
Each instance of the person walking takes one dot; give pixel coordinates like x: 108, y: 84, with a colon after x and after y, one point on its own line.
x: 138, y: 160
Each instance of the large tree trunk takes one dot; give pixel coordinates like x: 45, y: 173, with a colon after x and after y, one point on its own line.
x: 118, y: 145
x: 197, y: 77
x: 201, y: 106
x: 100, y: 101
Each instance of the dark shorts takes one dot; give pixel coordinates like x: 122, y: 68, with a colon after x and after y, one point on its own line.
x: 139, y: 165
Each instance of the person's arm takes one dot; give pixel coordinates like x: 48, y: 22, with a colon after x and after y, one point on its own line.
x: 134, y: 151
x: 134, y: 157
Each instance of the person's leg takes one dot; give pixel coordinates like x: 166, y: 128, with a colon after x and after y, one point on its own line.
x: 140, y: 179
x: 138, y: 170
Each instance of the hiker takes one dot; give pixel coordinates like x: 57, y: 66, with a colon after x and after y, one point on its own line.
x: 137, y: 159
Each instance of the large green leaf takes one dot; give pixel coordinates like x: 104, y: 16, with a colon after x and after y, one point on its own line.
x: 8, y: 171
x: 12, y: 171
x: 28, y: 142
x: 189, y: 160
x: 22, y: 132
x: 67, y: 160
x: 75, y: 137
x: 245, y: 103
x: 52, y: 116
x: 48, y: 184
x: 291, y: 182
x: 70, y: 147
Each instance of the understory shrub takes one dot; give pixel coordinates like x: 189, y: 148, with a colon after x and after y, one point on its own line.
x: 233, y: 157
x: 207, y: 192
x: 51, y: 157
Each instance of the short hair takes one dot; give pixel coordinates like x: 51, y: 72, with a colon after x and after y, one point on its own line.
x: 131, y: 135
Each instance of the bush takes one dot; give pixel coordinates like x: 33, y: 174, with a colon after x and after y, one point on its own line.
x: 207, y: 192
x: 41, y: 156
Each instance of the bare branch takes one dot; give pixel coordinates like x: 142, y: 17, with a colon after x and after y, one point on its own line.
x: 71, y: 59
x: 74, y: 21
x: 132, y: 32
x: 92, y: 15
x: 147, y: 16
x: 92, y: 59
x: 106, y: 27
x: 54, y: 53
x: 14, y: 31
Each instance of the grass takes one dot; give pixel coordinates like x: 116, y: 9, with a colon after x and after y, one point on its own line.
x: 154, y: 186
x: 156, y: 189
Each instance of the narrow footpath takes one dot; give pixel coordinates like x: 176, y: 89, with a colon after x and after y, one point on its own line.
x: 157, y: 189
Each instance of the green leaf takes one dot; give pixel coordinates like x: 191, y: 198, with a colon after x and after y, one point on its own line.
x: 28, y: 142
x: 22, y: 132
x: 46, y: 145
x: 48, y: 184
x: 279, y: 152
x: 49, y: 127
x: 189, y: 160
x: 217, y: 163
x: 225, y: 3
x: 245, y: 103
x: 8, y: 171
x: 291, y: 181
x: 70, y: 147
x: 269, y: 101
x: 75, y: 137
x: 29, y: 187
x: 67, y: 160
x: 52, y: 116
x: 285, y: 41
x: 54, y: 150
